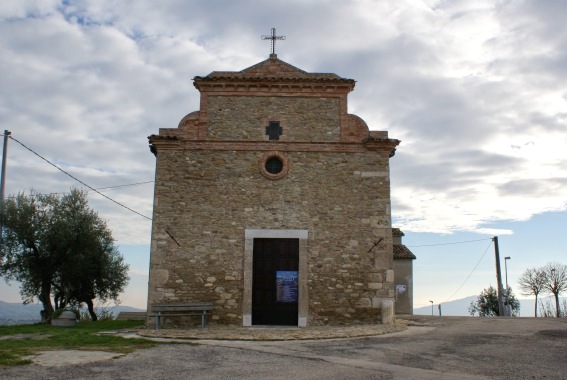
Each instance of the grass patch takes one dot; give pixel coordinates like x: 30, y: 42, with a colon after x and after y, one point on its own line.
x: 43, y: 337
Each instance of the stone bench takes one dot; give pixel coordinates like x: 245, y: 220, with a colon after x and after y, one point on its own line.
x: 169, y: 310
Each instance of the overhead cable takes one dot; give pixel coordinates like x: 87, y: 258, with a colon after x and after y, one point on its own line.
x: 470, y: 274
x: 78, y: 180
x: 457, y: 242
x: 100, y: 188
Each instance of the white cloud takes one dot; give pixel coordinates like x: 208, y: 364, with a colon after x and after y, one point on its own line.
x: 475, y: 91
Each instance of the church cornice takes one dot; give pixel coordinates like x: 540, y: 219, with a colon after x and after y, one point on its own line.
x: 387, y: 146
x: 285, y: 85
x: 164, y: 141
x: 378, y: 143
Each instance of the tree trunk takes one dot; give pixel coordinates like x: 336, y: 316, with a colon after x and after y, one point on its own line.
x: 59, y: 303
x: 90, y: 306
x: 557, y: 311
x: 45, y: 299
x: 535, y: 311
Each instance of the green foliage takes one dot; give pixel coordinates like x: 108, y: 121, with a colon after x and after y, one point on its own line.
x: 486, y: 304
x: 29, y: 238
x: 84, y: 336
x: 58, y: 246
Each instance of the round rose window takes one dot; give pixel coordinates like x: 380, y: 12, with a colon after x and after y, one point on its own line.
x: 274, y: 165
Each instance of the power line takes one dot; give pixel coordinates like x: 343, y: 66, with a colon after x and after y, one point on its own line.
x: 470, y: 274
x: 457, y: 242
x: 100, y: 188
x: 127, y: 185
x: 78, y: 180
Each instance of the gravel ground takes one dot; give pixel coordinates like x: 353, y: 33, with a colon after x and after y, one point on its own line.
x: 438, y: 348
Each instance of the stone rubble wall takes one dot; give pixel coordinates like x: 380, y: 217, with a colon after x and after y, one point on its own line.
x: 245, y: 117
x: 207, y: 199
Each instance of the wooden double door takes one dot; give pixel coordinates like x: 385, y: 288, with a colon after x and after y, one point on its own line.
x: 275, y: 281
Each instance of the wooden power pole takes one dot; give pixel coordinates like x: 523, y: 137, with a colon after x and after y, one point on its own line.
x: 2, y: 185
x: 498, y: 277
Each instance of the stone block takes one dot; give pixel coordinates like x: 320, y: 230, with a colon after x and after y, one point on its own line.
x: 390, y: 276
x: 364, y: 302
x: 159, y: 277
x: 387, y: 313
x: 375, y: 285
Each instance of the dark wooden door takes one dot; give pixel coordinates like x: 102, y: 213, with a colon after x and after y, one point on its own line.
x: 274, y: 281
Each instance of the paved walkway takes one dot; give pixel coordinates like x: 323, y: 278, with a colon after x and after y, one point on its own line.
x: 447, y: 348
x: 267, y: 333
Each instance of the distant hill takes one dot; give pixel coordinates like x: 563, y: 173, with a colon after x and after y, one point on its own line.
x: 18, y: 313
x: 461, y: 307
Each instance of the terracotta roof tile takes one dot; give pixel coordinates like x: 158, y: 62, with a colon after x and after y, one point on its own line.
x: 397, y: 232
x: 273, y: 69
x: 401, y: 252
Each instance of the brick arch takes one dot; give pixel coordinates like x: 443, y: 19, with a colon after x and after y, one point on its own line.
x: 357, y: 129
x: 189, y: 125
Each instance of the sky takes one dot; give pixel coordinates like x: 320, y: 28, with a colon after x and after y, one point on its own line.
x: 475, y: 90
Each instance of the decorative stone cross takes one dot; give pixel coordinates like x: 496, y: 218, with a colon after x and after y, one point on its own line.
x: 273, y: 38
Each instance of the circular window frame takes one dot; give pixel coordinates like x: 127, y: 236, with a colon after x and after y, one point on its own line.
x: 279, y: 156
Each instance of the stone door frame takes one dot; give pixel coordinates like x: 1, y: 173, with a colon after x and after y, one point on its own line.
x: 303, y: 297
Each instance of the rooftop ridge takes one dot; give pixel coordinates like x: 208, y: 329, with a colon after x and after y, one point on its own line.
x: 272, y: 68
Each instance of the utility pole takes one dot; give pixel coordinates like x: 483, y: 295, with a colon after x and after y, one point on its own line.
x: 498, y: 277
x: 2, y: 183
x: 508, y: 306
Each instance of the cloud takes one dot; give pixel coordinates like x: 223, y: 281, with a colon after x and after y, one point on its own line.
x: 475, y: 91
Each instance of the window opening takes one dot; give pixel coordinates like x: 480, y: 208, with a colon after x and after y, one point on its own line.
x: 274, y: 165
x: 273, y: 130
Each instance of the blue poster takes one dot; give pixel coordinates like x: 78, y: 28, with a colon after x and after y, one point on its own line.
x: 286, y: 285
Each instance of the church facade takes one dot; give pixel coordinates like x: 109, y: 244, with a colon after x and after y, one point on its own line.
x: 273, y: 202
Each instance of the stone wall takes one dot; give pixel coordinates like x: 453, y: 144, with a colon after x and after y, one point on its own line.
x: 206, y: 200
x: 245, y: 117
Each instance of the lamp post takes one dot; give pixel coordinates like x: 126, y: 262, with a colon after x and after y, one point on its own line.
x: 431, y: 307
x: 508, y: 308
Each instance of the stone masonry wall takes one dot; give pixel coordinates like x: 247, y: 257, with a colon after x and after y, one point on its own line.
x: 245, y: 117
x: 206, y: 200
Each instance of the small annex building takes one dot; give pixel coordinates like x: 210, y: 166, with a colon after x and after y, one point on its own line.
x: 403, y: 274
x: 273, y: 202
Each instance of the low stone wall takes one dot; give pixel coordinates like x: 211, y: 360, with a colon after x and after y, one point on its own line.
x: 131, y: 316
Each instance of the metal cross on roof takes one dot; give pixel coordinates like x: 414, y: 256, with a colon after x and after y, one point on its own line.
x: 273, y: 38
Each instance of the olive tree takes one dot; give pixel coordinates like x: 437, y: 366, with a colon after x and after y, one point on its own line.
x: 58, y: 247
x: 486, y: 304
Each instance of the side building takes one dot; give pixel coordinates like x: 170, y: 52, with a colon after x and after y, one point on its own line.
x: 403, y: 274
